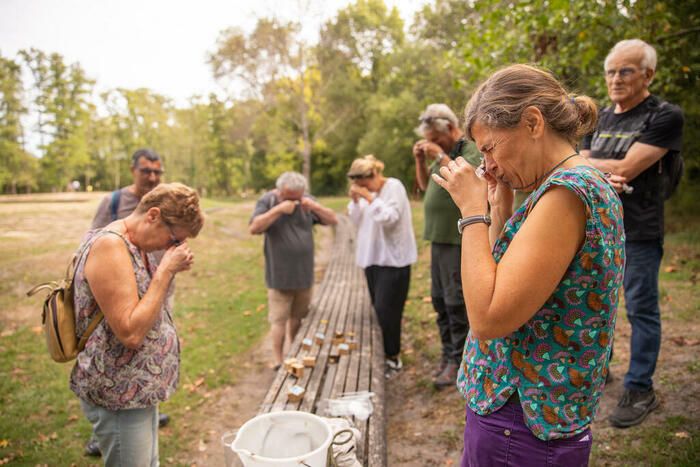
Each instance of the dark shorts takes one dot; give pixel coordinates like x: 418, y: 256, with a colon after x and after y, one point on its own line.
x: 503, y: 439
x: 445, y: 273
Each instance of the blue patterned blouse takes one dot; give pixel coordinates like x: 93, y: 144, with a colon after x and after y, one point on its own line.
x: 558, y: 360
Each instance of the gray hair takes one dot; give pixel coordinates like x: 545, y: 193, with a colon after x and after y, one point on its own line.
x: 648, y: 52
x: 293, y: 181
x: 437, y: 117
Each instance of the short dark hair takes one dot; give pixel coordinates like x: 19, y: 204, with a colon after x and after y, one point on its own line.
x: 149, y: 154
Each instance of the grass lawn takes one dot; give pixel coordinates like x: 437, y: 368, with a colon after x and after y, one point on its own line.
x: 220, y: 313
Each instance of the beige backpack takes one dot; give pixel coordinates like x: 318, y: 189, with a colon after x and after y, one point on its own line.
x: 58, y: 317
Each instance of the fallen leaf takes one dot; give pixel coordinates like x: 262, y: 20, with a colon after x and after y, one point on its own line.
x: 260, y: 307
x: 37, y: 330
x: 72, y: 418
x: 202, y: 446
x: 7, y: 332
x: 670, y: 269
x: 427, y: 299
x: 199, y: 382
x: 679, y: 341
x: 682, y: 434
x: 449, y: 462
x: 5, y: 460
x: 246, y: 313
x: 4, y: 443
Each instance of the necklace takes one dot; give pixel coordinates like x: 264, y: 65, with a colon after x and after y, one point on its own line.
x: 547, y: 174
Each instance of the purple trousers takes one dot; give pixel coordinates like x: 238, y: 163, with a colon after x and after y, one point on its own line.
x: 503, y: 439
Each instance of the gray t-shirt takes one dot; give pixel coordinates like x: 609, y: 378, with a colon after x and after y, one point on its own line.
x: 289, y: 246
x: 127, y: 204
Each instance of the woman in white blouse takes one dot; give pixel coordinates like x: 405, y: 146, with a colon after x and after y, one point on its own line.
x: 386, y: 246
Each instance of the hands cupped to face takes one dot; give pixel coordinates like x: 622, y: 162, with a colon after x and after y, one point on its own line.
x: 178, y: 258
x: 356, y: 192
x: 468, y: 191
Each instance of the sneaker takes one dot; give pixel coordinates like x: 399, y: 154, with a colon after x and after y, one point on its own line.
x: 92, y: 449
x: 440, y: 368
x: 633, y: 408
x: 163, y: 420
x: 393, y: 366
x: 448, y: 377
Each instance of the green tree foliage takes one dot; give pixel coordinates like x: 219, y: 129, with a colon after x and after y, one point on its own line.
x: 315, y: 107
x: 17, y: 168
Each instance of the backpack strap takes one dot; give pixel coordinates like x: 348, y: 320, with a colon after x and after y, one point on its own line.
x: 114, y: 204
x: 96, y: 320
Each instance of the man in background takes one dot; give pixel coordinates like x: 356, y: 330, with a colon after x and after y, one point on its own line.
x: 442, y: 142
x: 146, y: 170
x: 286, y: 216
x: 631, y: 139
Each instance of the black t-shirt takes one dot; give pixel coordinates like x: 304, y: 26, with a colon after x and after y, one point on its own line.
x: 648, y: 123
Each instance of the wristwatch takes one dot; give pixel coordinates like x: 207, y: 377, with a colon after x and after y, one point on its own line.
x: 465, y: 221
x: 440, y: 156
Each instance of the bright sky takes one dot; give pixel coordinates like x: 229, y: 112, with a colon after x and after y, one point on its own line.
x: 157, y: 44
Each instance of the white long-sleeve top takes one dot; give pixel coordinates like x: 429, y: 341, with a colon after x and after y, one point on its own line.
x: 385, y: 231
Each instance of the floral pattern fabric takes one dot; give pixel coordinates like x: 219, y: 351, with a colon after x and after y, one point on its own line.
x: 558, y: 360
x: 107, y: 373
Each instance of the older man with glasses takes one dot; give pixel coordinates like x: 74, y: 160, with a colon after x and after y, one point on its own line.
x: 442, y: 142
x: 286, y: 217
x: 146, y: 170
x: 632, y: 138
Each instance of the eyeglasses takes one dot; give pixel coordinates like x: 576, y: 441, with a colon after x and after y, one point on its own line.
x: 173, y: 240
x: 484, y: 151
x: 360, y: 176
x: 147, y: 171
x: 624, y: 73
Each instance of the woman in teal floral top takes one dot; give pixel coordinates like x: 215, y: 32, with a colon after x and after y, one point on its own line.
x: 541, y: 284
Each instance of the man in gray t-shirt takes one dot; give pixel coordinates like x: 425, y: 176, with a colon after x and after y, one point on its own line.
x: 146, y: 169
x: 286, y: 216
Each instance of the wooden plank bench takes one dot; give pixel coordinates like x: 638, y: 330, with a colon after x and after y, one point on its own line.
x: 340, y: 303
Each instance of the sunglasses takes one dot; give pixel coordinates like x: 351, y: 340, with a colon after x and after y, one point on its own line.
x: 360, y: 177
x: 147, y: 171
x: 430, y: 119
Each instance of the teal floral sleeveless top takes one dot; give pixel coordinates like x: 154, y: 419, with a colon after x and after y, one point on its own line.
x: 558, y: 360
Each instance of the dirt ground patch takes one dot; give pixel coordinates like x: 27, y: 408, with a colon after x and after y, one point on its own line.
x: 233, y: 405
x: 425, y: 426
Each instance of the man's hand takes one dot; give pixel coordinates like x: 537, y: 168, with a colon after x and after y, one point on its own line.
x: 287, y: 206
x: 618, y: 182
x: 309, y: 205
x: 418, y: 152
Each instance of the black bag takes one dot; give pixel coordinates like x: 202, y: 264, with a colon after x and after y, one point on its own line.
x: 671, y: 166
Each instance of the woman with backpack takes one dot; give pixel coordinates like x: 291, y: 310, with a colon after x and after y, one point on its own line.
x: 131, y: 361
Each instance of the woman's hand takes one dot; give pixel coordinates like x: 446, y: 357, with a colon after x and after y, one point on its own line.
x: 357, y: 192
x: 468, y: 191
x: 500, y: 195
x: 177, y: 258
